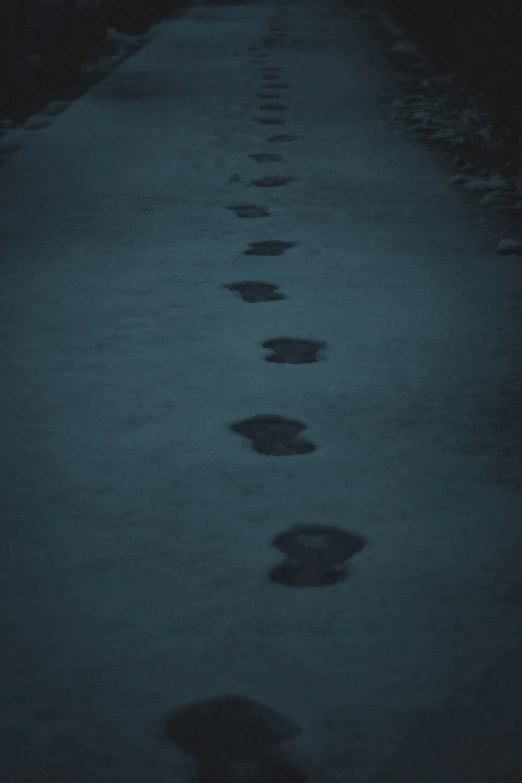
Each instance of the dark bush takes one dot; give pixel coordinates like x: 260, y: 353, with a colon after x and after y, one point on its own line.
x: 481, y: 38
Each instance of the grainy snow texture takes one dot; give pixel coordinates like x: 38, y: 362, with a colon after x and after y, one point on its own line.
x: 261, y: 422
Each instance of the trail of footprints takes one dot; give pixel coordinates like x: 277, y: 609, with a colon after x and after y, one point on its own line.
x: 313, y: 553
x: 235, y: 739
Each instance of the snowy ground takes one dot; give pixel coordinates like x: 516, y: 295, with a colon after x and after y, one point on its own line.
x: 138, y: 527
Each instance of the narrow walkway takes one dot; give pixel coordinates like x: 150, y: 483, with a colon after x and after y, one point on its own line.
x: 146, y: 473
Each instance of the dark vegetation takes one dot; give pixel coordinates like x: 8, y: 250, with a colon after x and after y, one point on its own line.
x: 44, y: 43
x: 482, y: 40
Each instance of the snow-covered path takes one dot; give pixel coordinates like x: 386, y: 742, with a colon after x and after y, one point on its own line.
x: 137, y: 526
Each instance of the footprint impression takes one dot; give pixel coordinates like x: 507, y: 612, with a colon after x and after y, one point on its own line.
x: 316, y: 555
x: 274, y: 436
x: 291, y: 350
x: 235, y: 740
x: 254, y: 291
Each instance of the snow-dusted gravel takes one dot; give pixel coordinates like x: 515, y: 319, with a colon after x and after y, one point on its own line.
x: 447, y: 112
